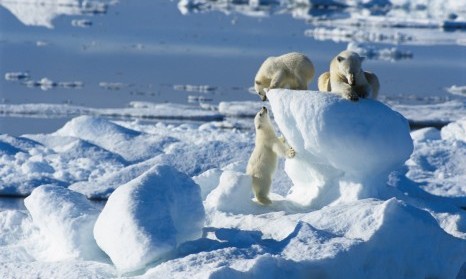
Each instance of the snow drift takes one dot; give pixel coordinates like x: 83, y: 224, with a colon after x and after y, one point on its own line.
x: 345, y: 150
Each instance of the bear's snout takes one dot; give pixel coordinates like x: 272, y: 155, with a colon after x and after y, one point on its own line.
x: 264, y: 109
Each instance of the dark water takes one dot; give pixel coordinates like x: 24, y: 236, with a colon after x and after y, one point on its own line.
x: 149, y: 51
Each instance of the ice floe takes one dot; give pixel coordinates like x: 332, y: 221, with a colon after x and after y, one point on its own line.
x: 43, y: 12
x: 372, y: 52
x: 457, y: 90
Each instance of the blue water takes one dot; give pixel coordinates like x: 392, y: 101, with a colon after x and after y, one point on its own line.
x: 148, y: 47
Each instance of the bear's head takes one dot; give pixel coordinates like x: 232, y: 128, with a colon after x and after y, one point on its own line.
x: 262, y: 120
x: 259, y: 87
x: 349, y: 65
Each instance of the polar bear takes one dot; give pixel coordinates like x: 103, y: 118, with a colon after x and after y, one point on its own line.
x: 263, y: 161
x: 347, y: 78
x: 292, y: 70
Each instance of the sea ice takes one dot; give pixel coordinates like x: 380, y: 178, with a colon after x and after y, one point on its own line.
x: 455, y: 130
x: 438, y: 162
x: 145, y: 219
x: 155, y: 217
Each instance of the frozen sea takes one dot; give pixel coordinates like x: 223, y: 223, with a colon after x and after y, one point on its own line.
x: 106, y: 99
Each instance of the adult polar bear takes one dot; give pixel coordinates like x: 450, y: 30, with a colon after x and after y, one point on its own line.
x: 347, y: 78
x: 292, y: 70
x: 263, y: 161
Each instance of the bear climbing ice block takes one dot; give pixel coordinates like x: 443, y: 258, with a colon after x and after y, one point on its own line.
x: 344, y: 150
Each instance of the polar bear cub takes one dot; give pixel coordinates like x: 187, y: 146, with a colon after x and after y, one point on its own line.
x: 292, y: 70
x: 347, y: 78
x: 263, y: 160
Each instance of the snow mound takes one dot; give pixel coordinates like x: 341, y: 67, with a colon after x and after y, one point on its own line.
x: 131, y: 145
x: 145, y: 219
x: 66, y: 220
x: 208, y: 180
x: 345, y: 150
x: 233, y: 193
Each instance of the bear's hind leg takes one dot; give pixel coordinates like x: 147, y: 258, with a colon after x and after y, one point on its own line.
x: 261, y: 189
x: 302, y: 85
x: 323, y: 83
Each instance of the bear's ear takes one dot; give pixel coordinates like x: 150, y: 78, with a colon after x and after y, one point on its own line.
x: 339, y: 58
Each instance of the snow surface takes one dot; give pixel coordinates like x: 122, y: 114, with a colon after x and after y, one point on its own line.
x: 411, y: 227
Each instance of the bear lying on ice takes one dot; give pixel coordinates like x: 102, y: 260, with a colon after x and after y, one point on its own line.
x: 292, y: 70
x: 347, y: 78
x: 263, y: 160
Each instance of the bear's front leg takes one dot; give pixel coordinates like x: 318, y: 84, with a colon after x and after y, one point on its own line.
x: 282, y: 149
x: 290, y: 153
x: 277, y: 80
x: 363, y: 91
x: 350, y: 94
x: 341, y: 87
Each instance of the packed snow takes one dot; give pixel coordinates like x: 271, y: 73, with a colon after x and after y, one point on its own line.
x: 364, y: 196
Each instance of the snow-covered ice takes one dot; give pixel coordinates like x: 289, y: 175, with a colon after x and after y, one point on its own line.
x: 145, y: 219
x: 439, y: 161
x: 66, y: 220
x: 344, y: 150
x: 179, y: 204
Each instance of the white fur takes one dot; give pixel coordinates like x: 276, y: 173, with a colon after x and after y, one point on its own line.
x: 263, y: 160
x: 292, y: 70
x: 346, y: 77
